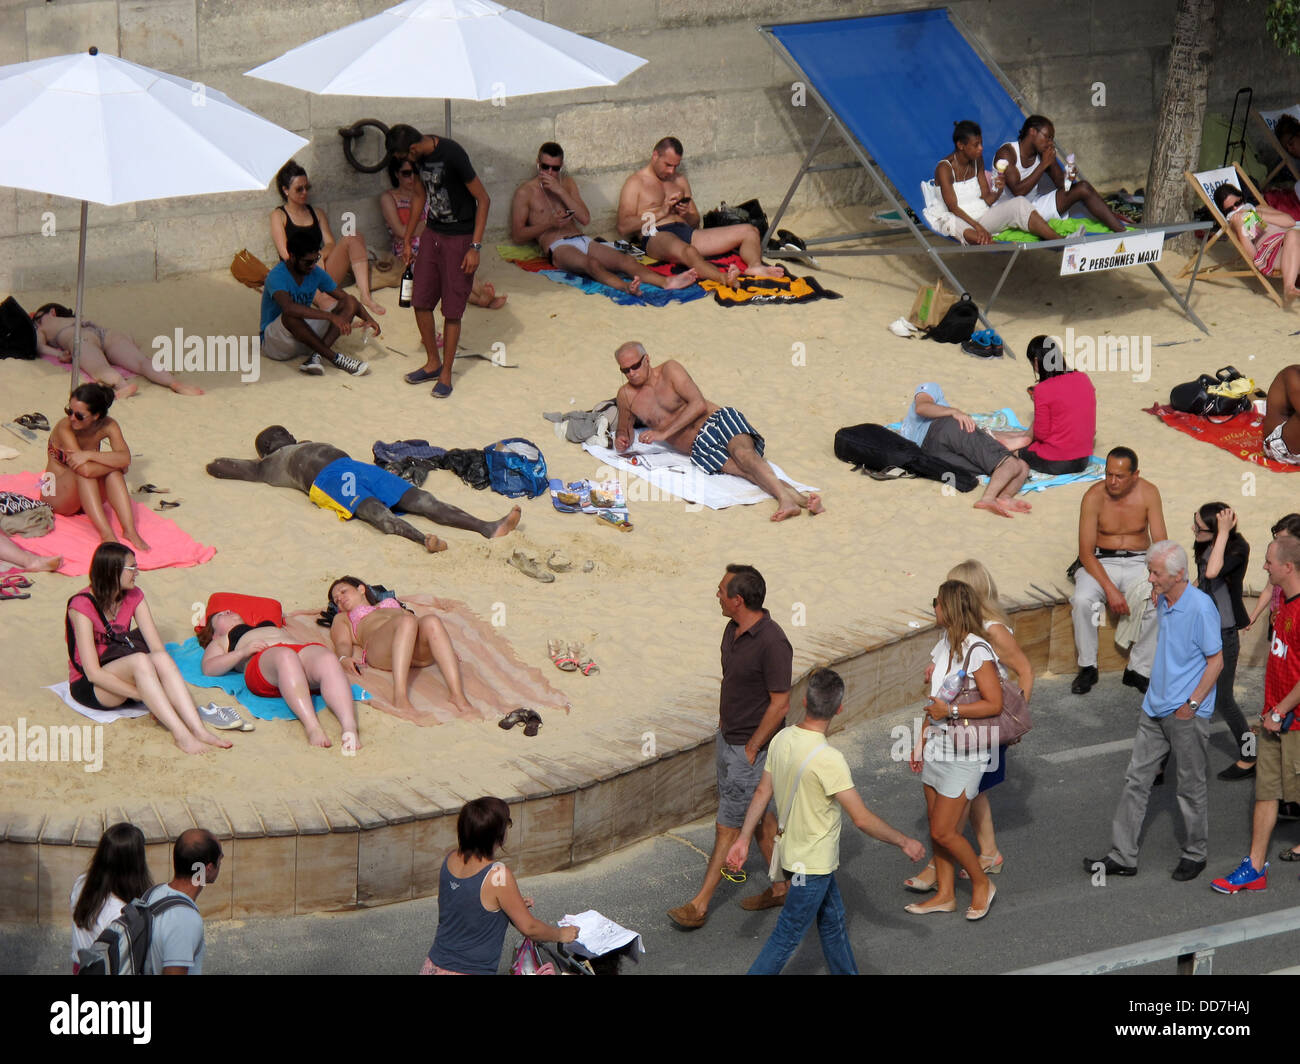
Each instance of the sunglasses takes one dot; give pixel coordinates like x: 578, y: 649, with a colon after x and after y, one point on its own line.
x: 77, y: 415
x: 627, y: 371
x: 405, y: 173
x: 685, y: 199
x: 548, y: 166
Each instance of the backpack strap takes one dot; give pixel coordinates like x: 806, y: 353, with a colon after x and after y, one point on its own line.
x: 794, y: 790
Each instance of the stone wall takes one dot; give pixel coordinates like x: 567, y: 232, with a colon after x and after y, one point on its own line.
x: 711, y: 80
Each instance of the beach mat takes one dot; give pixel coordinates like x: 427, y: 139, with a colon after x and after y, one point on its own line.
x: 1240, y: 436
x: 496, y: 680
x: 76, y: 539
x: 85, y: 373
x: 189, y: 656
x: 528, y: 257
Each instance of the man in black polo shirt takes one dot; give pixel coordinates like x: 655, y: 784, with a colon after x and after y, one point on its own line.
x: 755, y: 697
x: 455, y: 204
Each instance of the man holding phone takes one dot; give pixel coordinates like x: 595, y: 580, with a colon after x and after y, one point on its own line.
x: 657, y: 210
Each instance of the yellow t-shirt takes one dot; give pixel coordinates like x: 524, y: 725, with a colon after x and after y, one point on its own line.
x: 811, y: 843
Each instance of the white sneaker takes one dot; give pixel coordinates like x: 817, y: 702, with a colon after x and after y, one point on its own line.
x: 348, y: 364
x: 312, y: 367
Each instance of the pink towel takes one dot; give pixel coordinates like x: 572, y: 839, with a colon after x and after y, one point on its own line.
x: 76, y: 539
x: 126, y: 373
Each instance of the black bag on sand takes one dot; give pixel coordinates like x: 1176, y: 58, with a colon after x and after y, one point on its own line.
x: 874, y: 447
x: 748, y: 213
x: 958, y: 325
x: 17, y: 333
x: 1194, y: 398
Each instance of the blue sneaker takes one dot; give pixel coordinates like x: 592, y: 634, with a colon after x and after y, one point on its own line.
x: 1243, y: 877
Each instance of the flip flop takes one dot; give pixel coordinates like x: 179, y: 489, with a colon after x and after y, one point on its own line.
x: 9, y: 592
x: 517, y: 716
x: 421, y: 376
x: 167, y: 504
x: 33, y: 421
x: 15, y: 580
x: 561, y: 655
x: 534, y: 720
x: 152, y: 489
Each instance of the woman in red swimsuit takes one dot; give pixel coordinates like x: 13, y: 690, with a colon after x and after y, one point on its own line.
x: 392, y: 638
x: 275, y: 667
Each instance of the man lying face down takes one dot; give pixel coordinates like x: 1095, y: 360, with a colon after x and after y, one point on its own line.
x: 335, y: 481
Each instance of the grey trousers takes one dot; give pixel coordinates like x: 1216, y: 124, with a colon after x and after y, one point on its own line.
x: 1188, y: 739
x: 1088, y: 611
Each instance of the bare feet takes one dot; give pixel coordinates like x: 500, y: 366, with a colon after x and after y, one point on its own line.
x: 464, y: 706
x: 185, y: 389
x: 682, y: 280
x: 787, y: 510
x: 317, y: 737
x: 126, y: 391
x: 374, y: 307
x: 1018, y: 505
x: 212, y: 739
x: 44, y: 565
x: 996, y: 506
x: 1288, y: 296
x: 188, y: 743
x: 507, y: 524
x: 433, y: 544
x: 733, y: 276
x: 764, y: 271
x: 815, y: 504
x: 487, y: 297
x: 633, y: 287
x: 138, y: 542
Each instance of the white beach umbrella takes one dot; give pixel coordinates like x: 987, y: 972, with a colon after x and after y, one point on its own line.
x: 100, y: 129
x: 456, y: 49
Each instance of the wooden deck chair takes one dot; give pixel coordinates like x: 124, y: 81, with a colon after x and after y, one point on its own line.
x: 1267, y: 120
x: 1204, y: 184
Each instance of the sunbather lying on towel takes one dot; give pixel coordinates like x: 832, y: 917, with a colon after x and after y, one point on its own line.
x: 276, y: 667
x: 391, y: 637
x: 548, y: 209
x: 1281, y: 427
x: 718, y: 439
x: 656, y: 207
x: 352, y: 489
x: 969, y: 212
x: 1032, y: 155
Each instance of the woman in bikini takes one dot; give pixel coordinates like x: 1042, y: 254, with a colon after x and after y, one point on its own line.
x: 1272, y: 236
x: 276, y: 667
x: 86, y: 477
x: 336, y: 259
x: 395, y: 204
x: 392, y: 638
x: 101, y: 350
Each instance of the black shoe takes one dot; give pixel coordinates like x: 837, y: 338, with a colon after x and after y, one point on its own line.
x: 1136, y: 679
x: 1111, y: 866
x: 1236, y: 772
x: 1084, y: 681
x: 1188, y: 870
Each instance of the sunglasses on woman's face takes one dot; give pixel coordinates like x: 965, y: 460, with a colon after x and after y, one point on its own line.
x: 77, y: 415
x: 405, y: 173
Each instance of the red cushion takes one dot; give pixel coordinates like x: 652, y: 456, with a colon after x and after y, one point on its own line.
x: 252, y: 608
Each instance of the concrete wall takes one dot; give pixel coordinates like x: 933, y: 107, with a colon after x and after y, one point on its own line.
x: 711, y: 80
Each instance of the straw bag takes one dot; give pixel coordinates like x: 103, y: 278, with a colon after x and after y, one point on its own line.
x: 248, y: 269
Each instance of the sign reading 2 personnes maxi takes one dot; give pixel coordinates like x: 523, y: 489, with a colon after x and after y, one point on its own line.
x: 1125, y: 249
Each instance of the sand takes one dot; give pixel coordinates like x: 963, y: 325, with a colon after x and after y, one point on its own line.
x: 647, y: 611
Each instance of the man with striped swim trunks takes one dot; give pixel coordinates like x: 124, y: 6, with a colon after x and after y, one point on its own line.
x: 718, y: 439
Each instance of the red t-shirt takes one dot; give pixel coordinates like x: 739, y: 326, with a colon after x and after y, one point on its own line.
x: 120, y: 621
x: 1065, y: 417
x: 1283, y: 670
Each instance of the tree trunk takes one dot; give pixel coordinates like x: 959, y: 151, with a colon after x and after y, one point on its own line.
x: 1177, y: 144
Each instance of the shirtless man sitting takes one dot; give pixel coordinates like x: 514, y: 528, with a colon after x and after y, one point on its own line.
x: 351, y: 488
x: 718, y: 439
x: 1118, y: 520
x: 656, y: 207
x: 548, y: 209
x: 1281, y: 427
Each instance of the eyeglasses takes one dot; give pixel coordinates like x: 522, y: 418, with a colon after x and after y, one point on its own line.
x: 77, y: 415
x: 408, y: 172
x: 933, y: 603
x: 132, y: 568
x: 548, y: 166
x: 627, y: 371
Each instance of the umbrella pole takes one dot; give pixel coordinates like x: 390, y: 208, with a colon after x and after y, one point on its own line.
x: 446, y: 105
x: 81, y: 291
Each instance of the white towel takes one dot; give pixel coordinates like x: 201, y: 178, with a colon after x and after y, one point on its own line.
x: 673, y: 473
x: 1129, y: 627
x: 99, y: 716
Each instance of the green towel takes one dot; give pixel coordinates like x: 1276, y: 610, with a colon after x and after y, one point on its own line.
x: 1061, y: 226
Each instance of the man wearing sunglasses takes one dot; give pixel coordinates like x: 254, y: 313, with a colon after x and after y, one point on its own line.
x: 656, y: 208
x: 718, y: 439
x: 548, y: 209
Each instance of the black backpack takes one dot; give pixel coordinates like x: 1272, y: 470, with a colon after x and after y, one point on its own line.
x: 877, y: 448
x: 958, y: 325
x: 122, y: 948
x: 17, y: 333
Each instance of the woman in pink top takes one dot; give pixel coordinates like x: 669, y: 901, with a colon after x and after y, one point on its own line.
x: 1065, y: 413
x: 147, y: 673
x: 392, y: 638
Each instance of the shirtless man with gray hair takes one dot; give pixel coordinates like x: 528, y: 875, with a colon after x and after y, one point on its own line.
x: 337, y: 482
x: 718, y: 439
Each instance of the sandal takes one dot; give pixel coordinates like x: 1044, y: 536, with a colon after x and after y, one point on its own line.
x: 534, y: 721
x: 920, y: 884
x: 8, y: 591
x: 152, y: 489
x: 33, y: 421
x: 585, y: 665
x: 1289, y: 855
x: 561, y: 656
x: 992, y: 866
x: 15, y: 580
x: 518, y: 716
x: 168, y: 504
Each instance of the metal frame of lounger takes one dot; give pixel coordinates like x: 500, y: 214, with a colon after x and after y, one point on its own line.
x: 1217, y: 270
x: 936, y: 253
x: 1288, y: 161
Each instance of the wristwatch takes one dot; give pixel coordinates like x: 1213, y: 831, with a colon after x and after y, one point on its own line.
x: 477, y: 247
x: 1194, y: 704
x: 1275, y: 718
x: 954, y: 713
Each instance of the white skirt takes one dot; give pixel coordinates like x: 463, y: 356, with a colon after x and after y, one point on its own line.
x: 948, y: 772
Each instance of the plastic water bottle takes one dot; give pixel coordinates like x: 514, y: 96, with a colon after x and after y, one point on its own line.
x: 1071, y: 174
x: 953, y: 685
x: 408, y: 285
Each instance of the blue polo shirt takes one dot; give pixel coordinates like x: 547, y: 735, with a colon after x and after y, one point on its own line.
x: 281, y: 280
x: 914, y: 425
x: 1189, y: 633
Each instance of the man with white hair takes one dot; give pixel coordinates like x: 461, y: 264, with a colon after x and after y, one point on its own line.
x: 1176, y: 711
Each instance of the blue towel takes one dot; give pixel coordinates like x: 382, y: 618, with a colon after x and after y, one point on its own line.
x: 189, y: 654
x: 650, y: 295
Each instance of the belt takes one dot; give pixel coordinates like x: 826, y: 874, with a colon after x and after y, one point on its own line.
x: 1104, y: 552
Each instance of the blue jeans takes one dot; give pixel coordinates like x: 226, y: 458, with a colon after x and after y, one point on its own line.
x: 814, y: 898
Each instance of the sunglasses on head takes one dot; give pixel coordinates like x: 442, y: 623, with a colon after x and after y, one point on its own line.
x: 77, y: 415
x: 548, y: 166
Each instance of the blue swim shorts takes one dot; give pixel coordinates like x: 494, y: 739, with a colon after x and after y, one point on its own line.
x: 709, y: 451
x: 342, y: 484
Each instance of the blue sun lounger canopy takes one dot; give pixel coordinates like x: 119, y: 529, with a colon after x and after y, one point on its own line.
x: 893, y: 85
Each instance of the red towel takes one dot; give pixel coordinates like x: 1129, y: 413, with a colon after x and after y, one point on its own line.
x: 76, y: 539
x: 1239, y: 436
